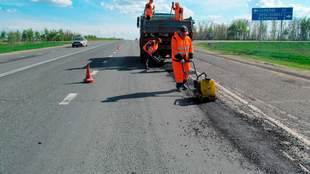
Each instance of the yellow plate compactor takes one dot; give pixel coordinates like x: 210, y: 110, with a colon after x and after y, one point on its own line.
x: 204, y: 87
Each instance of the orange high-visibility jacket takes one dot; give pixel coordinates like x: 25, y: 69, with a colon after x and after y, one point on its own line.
x: 151, y: 47
x: 183, y: 47
x: 178, y: 13
x: 149, y: 8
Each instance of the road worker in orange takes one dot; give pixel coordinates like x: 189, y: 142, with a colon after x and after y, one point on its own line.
x: 182, y: 53
x: 178, y: 11
x: 150, y: 48
x: 149, y: 10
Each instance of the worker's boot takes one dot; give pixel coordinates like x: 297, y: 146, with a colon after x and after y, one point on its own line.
x: 183, y: 87
x: 179, y: 86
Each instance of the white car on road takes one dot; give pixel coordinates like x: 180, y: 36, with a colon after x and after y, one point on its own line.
x: 79, y: 41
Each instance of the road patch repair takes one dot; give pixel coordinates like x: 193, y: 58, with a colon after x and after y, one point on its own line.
x: 283, y: 140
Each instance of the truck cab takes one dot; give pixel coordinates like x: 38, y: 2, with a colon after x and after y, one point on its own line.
x: 161, y: 25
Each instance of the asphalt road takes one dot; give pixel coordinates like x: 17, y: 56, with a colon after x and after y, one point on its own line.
x: 129, y: 121
x: 285, y: 98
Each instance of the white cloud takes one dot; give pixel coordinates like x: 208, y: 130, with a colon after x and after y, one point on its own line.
x: 11, y: 10
x: 63, y: 3
x: 136, y: 7
x: 301, y: 10
x: 224, y: 4
x: 103, y: 30
x: 271, y: 3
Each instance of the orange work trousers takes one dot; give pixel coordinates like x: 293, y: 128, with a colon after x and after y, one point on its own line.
x: 181, y: 73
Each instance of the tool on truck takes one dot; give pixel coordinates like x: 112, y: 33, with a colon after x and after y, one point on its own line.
x: 163, y: 26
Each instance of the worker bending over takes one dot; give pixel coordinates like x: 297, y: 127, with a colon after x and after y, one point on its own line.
x: 150, y: 48
x: 149, y: 10
x: 178, y: 11
x: 182, y: 53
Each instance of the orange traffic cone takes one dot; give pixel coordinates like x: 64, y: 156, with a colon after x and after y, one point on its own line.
x: 89, y: 78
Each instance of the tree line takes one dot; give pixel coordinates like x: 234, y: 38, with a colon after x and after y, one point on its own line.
x: 29, y: 35
x: 243, y: 29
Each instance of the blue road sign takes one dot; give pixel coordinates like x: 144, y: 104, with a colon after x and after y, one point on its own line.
x: 259, y: 14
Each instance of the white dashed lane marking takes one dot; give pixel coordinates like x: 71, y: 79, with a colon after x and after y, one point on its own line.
x: 68, y: 99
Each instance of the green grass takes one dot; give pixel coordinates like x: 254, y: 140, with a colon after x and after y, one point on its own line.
x: 289, y: 54
x: 6, y: 48
x: 103, y: 39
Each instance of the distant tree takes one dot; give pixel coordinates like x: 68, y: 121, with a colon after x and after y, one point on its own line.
x: 37, y: 36
x: 91, y: 37
x: 263, y: 30
x: 3, y: 35
x: 30, y: 35
x: 18, y: 36
x: 12, y: 37
x: 274, y: 29
x: 305, y: 28
x: 220, y: 32
x: 238, y: 29
x: 24, y: 36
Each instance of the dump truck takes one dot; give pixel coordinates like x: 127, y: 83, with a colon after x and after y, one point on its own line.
x: 161, y: 25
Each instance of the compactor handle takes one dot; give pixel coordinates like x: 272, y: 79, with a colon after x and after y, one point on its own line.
x: 202, y: 74
x: 198, y: 76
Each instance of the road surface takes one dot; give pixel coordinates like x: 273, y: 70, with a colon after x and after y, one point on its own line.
x: 284, y: 97
x: 129, y: 121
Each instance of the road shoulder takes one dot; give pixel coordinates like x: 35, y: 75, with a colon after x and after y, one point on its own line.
x: 303, y: 74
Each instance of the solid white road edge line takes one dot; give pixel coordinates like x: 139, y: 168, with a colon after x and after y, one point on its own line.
x: 68, y: 99
x: 272, y: 120
x: 44, y: 62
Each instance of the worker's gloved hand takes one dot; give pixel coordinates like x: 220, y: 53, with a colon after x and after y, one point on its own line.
x: 178, y: 57
x: 191, y: 55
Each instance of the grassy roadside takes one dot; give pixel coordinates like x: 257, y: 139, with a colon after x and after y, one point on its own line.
x: 6, y: 48
x: 103, y: 39
x: 289, y: 54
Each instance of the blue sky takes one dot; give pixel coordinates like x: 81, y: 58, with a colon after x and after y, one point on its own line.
x: 117, y: 18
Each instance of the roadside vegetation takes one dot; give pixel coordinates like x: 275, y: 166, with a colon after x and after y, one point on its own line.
x: 244, y: 29
x: 95, y: 38
x: 29, y: 39
x: 290, y: 54
x: 6, y: 48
